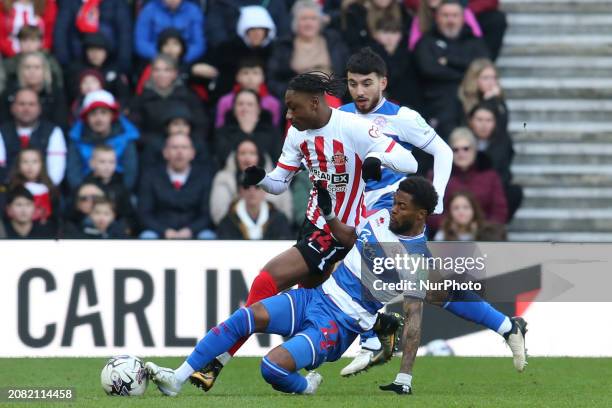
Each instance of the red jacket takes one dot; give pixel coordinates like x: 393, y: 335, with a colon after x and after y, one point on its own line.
x: 486, y: 186
x: 479, y: 6
x: 10, y: 24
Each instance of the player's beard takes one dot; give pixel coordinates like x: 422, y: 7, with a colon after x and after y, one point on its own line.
x: 401, y: 229
x: 371, y: 106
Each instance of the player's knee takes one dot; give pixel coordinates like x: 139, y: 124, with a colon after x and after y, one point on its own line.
x: 261, y: 317
x: 272, y: 373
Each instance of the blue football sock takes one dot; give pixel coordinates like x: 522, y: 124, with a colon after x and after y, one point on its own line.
x: 281, y: 379
x: 468, y: 305
x: 220, y: 338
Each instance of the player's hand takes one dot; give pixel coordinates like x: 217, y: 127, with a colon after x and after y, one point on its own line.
x: 324, y: 200
x: 371, y: 169
x: 252, y: 176
x: 401, y: 389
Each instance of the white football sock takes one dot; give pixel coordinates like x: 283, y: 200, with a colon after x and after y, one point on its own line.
x: 372, y: 343
x: 404, y: 379
x: 505, y: 327
x: 183, y: 372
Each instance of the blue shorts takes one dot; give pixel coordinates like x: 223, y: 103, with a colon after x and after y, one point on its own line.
x: 319, y: 330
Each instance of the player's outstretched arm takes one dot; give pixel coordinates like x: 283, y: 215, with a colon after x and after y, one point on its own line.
x: 276, y: 182
x: 395, y: 158
x: 343, y: 233
x: 411, y: 338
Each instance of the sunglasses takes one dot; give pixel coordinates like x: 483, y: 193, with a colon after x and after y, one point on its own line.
x: 462, y: 149
x: 91, y: 197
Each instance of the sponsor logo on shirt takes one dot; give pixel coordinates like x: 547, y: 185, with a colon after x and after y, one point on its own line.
x: 336, y: 182
x: 374, y: 132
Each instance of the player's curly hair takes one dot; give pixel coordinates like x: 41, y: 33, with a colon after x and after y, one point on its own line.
x: 318, y: 82
x: 423, y: 193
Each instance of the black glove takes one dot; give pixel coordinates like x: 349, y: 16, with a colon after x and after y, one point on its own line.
x: 324, y: 200
x: 401, y: 389
x: 252, y: 176
x: 371, y: 169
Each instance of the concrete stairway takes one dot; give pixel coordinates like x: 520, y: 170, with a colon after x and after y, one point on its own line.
x: 556, y: 69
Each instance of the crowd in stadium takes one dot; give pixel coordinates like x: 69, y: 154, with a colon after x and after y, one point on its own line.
x: 135, y: 119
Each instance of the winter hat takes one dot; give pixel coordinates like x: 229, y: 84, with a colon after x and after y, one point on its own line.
x: 255, y: 17
x: 99, y: 99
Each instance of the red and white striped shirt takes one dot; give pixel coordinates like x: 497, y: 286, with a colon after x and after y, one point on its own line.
x: 335, y: 154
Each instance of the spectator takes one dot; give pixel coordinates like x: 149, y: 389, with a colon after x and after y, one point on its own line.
x: 77, y: 19
x: 15, y: 14
x: 173, y: 200
x: 103, y: 165
x: 27, y: 128
x: 97, y: 56
x: 101, y: 123
x: 493, y: 23
x: 480, y: 84
x: 223, y: 17
x: 472, y: 171
x: 424, y: 21
x: 311, y: 49
x: 161, y: 92
x: 225, y: 184
x: 90, y: 80
x: 157, y: 15
x: 442, y: 57
x: 33, y: 72
x: 177, y: 119
x: 250, y: 75
x: 20, y: 222
x: 360, y: 19
x: 463, y: 220
x: 77, y: 217
x: 256, y: 31
x: 247, y: 121
x: 30, y: 40
x: 29, y: 172
x: 403, y: 86
x: 170, y: 43
x: 103, y: 223
x: 252, y: 217
x: 496, y: 144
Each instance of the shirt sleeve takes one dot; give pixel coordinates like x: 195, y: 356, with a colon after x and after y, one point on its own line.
x: 414, y: 129
x: 291, y: 155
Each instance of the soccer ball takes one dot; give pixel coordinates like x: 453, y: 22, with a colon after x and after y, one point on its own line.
x: 125, y: 376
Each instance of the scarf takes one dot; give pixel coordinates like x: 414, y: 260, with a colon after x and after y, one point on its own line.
x: 88, y: 17
x: 254, y: 230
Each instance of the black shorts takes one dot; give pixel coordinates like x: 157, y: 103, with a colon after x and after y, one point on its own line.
x: 319, y: 248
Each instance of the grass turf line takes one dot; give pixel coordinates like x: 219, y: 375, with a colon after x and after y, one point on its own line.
x: 438, y: 382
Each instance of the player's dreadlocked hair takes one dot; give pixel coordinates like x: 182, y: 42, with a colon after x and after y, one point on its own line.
x: 423, y: 193
x: 317, y: 82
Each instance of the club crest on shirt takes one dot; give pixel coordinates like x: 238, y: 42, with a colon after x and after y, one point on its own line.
x: 338, y: 159
x: 380, y: 121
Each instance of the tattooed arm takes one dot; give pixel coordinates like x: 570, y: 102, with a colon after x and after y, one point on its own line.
x: 411, y: 337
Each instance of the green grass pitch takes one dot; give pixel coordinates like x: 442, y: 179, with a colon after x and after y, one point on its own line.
x: 438, y: 382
